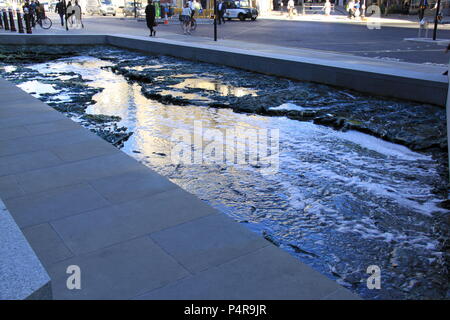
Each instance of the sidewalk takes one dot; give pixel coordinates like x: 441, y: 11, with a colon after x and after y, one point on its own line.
x: 433, y: 71
x: 340, y: 16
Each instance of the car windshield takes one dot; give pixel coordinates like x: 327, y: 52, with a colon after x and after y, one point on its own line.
x: 106, y: 2
x: 243, y: 4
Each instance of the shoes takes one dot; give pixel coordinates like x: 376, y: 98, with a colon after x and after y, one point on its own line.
x: 154, y: 33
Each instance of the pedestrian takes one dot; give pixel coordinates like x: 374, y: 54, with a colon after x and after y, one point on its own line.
x: 351, y: 9
x: 78, y: 15
x: 387, y: 7
x: 221, y: 8
x: 69, y: 10
x: 186, y: 18
x: 26, y: 8
x: 32, y: 13
x: 290, y: 7
x: 38, y: 10
x: 26, y: 5
x: 150, y: 14
x: 193, y: 6
x: 357, y: 11
x: 327, y: 8
x: 60, y: 9
x: 423, y: 5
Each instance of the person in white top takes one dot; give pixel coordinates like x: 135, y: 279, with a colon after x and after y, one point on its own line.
x: 327, y: 7
x: 290, y: 7
x: 351, y: 9
x: 193, y: 5
x: 186, y: 16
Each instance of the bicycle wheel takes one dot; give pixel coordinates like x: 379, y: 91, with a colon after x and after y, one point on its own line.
x: 46, y: 23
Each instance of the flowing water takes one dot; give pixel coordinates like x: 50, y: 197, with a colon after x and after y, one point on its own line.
x: 338, y: 201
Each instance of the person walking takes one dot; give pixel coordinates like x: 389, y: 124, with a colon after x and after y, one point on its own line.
x: 327, y: 8
x: 351, y: 9
x: 357, y: 11
x: 26, y: 8
x: 290, y: 8
x: 194, y: 8
x: 32, y: 12
x: 60, y: 9
x: 150, y: 14
x: 78, y: 15
x: 38, y: 10
x: 186, y: 18
x: 220, y: 12
x: 423, y: 5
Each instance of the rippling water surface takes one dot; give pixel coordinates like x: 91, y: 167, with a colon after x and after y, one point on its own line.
x: 341, y: 201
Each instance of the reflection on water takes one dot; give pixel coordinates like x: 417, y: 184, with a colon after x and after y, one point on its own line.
x: 340, y: 201
x: 213, y: 85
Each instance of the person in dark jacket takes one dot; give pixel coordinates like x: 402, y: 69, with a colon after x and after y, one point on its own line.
x: 150, y: 14
x: 221, y: 9
x: 61, y: 10
x: 32, y: 13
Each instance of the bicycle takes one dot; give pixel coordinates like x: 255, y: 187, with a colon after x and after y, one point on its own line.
x: 45, y: 22
x: 193, y: 24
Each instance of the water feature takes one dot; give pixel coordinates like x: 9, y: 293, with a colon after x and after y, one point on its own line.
x: 342, y: 199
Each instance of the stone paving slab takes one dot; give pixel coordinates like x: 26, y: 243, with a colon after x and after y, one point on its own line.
x: 76, y: 172
x: 47, y: 244
x: 139, y: 183
x: 54, y: 204
x: 33, y: 143
x: 50, y: 127
x: 27, y: 161
x: 96, y: 229
x: 207, y: 242
x: 9, y: 188
x: 132, y: 232
x: 83, y: 150
x: 34, y: 117
x: 121, y: 271
x: 264, y: 277
x: 12, y: 133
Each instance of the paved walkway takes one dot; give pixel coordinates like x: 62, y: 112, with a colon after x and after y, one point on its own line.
x: 135, y: 235
x: 333, y: 35
x: 435, y: 71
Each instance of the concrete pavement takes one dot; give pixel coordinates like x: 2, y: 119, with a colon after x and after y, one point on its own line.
x: 338, y: 35
x: 416, y: 82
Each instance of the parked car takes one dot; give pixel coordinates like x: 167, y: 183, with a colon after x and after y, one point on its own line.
x: 102, y: 7
x: 240, y: 9
x: 128, y: 10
